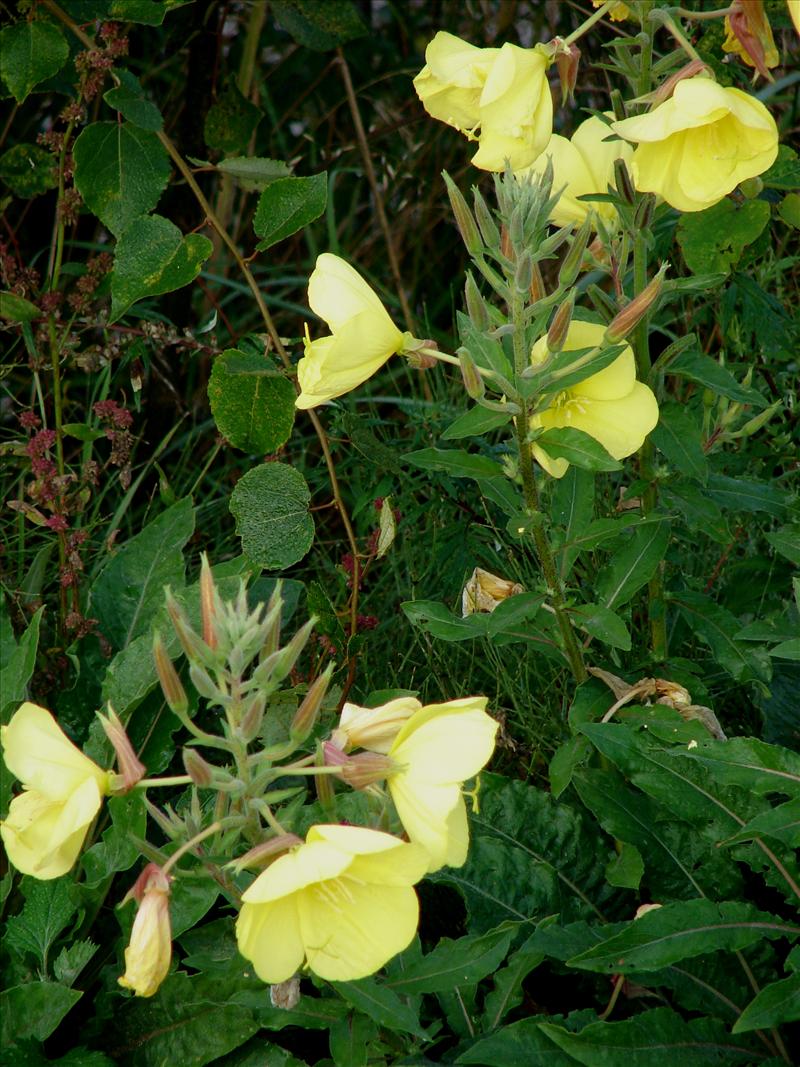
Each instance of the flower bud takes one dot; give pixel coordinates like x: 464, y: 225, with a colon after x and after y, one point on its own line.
x: 148, y: 956
x: 506, y: 246
x: 252, y: 717
x: 131, y: 769
x: 516, y: 226
x: 463, y: 216
x: 201, y: 772
x: 174, y: 693
x: 203, y: 682
x: 523, y: 275
x: 667, y: 88
x: 473, y: 382
x: 486, y: 223
x: 366, y: 769
x: 632, y: 314
x: 537, y: 290
x: 571, y: 266
x: 644, y: 212
x: 371, y: 728
x: 622, y: 180
x: 306, y: 714
x: 191, y: 643
x: 476, y: 306
x: 208, y: 595
x: 557, y: 334
x: 280, y: 665
x: 749, y: 35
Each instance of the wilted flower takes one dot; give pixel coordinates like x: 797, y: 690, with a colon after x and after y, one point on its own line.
x: 583, y: 166
x: 363, y: 337
x: 749, y: 35
x: 484, y: 591
x: 437, y: 750
x: 700, y: 144
x: 343, y: 903
x: 611, y: 406
x: 373, y: 728
x: 616, y: 13
x: 148, y: 955
x: 62, y: 793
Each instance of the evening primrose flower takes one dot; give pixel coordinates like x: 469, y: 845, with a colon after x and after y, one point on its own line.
x: 435, y: 752
x: 583, y: 166
x: 373, y: 728
x: 148, y: 955
x: 611, y: 406
x: 342, y: 902
x: 696, y: 147
x: 62, y: 793
x: 363, y: 337
x: 452, y: 80
x: 749, y: 35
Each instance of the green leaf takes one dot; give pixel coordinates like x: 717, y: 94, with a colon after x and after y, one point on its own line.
x: 153, y: 257
x: 785, y: 171
x: 566, y: 758
x: 633, y: 566
x: 700, y: 368
x: 603, y: 624
x: 782, y: 823
x: 81, y: 432
x: 270, y: 505
x: 437, y: 619
x: 120, y: 171
x: 382, y: 1005
x: 506, y: 993
x: 716, y: 625
x: 130, y: 589
x: 677, y: 436
x: 748, y: 763
x: 454, y: 462
x: 128, y: 98
x: 17, y: 309
x: 473, y: 423
x: 456, y: 963
x: 287, y: 205
x: 320, y: 26
x: 231, y: 121
x: 116, y: 850
x: 522, y: 1044
x: 47, y: 911
x: 701, y: 514
x: 30, y: 53
x: 254, y: 172
x: 744, y: 494
x: 785, y: 540
x: 679, y: 931
x: 189, y: 902
x: 713, y: 240
x: 486, y: 351
x: 558, y: 374
x: 579, y: 448
x: 72, y: 959
x: 572, y: 508
x: 251, y: 400
x: 28, y: 170
x: 789, y: 210
x: 774, y: 1005
x: 34, y: 1010
x: 348, y: 1039
x: 18, y: 667
x: 147, y: 12
x: 626, y: 868
x: 656, y: 1038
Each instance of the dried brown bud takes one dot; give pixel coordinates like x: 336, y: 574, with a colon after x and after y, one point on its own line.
x: 567, y: 61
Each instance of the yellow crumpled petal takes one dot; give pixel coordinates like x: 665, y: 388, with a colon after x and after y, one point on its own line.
x: 450, y: 84
x: 373, y: 728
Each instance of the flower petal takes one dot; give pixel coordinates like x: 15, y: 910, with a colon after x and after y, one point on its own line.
x: 269, y: 936
x: 444, y: 743
x: 619, y: 425
x: 38, y: 752
x: 315, y: 861
x: 43, y: 837
x: 337, y: 293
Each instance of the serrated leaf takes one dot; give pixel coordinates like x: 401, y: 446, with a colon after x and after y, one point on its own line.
x: 718, y: 626
x: 252, y: 401
x: 30, y: 53
x: 677, y: 437
x: 321, y: 26
x: 72, y: 959
x: 451, y: 964
x: 774, y: 1005
x: 287, y: 205
x: 28, y: 170
x: 18, y: 667
x: 47, y: 911
x: 579, y: 448
x: 454, y: 462
x: 633, y: 566
x: 254, y: 172
x: 128, y: 98
x: 34, y: 1010
x: 270, y: 505
x: 120, y: 171
x: 153, y: 257
x: 713, y: 240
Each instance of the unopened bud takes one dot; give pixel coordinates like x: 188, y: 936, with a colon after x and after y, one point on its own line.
x: 633, y: 313
x: 262, y: 854
x: 252, y: 718
x: 203, y: 682
x: 557, y: 334
x: 272, y: 622
x: 191, y: 643
x: 306, y: 715
x: 617, y: 105
x: 174, y: 693
x: 467, y: 226
x: 486, y: 223
x: 476, y: 306
x: 754, y: 425
x: 567, y: 61
x: 622, y: 180
x: 749, y: 34
x: 644, y: 213
x: 148, y: 955
x: 552, y: 243
x: 571, y: 266
x: 289, y: 654
x: 506, y: 247
x: 516, y: 226
x: 523, y: 275
x: 471, y: 376
x: 131, y: 769
x: 537, y: 290
x: 207, y: 602
x: 201, y: 772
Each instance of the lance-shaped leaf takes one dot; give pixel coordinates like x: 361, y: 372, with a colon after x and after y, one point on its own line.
x: 456, y: 963
x: 775, y: 1005
x: 747, y: 762
x: 633, y: 566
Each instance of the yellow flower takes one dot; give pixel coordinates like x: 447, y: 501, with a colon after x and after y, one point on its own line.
x: 617, y: 13
x: 583, y: 166
x: 342, y: 902
x: 363, y: 335
x: 62, y: 793
x: 749, y: 35
x: 438, y: 749
x: 148, y: 955
x: 503, y: 93
x: 611, y: 406
x: 373, y: 728
x: 697, y: 146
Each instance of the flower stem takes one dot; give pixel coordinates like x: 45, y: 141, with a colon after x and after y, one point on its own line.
x: 176, y: 779
x: 588, y: 23
x: 666, y: 20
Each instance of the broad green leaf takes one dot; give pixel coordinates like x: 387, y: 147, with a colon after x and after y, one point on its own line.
x: 231, y: 121
x: 28, y: 170
x: 348, y: 1039
x: 744, y: 494
x: 787, y: 649
x: 633, y: 566
x: 572, y: 508
x: 17, y: 309
x: 153, y: 257
x: 81, y: 431
x: 382, y: 1004
x: 486, y: 351
x: 71, y: 960
x: 749, y: 763
x: 189, y: 902
x: 700, y: 368
x: 558, y: 374
x: 454, y: 462
x: 120, y: 171
x: 30, y: 53
x: 716, y: 625
x: 287, y: 205
x: 473, y: 423
x: 679, y: 931
x: 47, y: 911
x: 270, y: 505
x: 437, y: 619
x: 116, y: 850
x: 147, y: 12
x: 252, y: 401
x: 254, y: 172
x: 677, y: 436
x: 785, y: 540
x: 656, y: 1038
x: 34, y: 1010
x: 603, y: 624
x: 18, y: 667
x: 782, y: 823
x: 579, y: 448
x: 785, y: 171
x: 713, y: 240
x: 701, y: 514
x: 456, y: 963
x: 128, y: 98
x: 626, y: 868
x: 774, y: 1005
x: 320, y: 26
x: 566, y: 758
x: 521, y: 1043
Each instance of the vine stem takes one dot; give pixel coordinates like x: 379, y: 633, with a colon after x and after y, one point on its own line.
x: 572, y: 648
